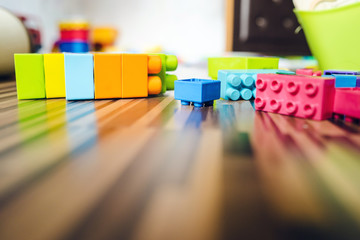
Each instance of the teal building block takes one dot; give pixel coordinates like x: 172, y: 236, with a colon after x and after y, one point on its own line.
x: 30, y: 78
x: 79, y: 76
x: 240, y: 84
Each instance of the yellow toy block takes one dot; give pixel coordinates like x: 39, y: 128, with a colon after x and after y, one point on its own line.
x: 54, y: 75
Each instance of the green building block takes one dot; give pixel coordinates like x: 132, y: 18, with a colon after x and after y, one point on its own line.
x: 229, y: 63
x: 169, y: 63
x: 30, y: 78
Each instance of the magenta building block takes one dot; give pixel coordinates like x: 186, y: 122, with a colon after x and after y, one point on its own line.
x: 347, y: 102
x: 308, y: 72
x: 295, y: 95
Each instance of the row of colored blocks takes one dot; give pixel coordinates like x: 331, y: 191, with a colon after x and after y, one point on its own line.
x: 240, y: 84
x: 92, y: 76
x: 285, y: 93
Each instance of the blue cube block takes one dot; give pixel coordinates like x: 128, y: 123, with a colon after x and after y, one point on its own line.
x: 344, y: 81
x: 79, y: 76
x: 240, y: 84
x: 197, y: 91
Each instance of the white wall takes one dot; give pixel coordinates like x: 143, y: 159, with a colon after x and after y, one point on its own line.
x: 189, y: 28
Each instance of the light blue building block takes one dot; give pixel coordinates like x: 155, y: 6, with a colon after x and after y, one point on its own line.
x: 240, y: 84
x: 200, y: 92
x: 79, y: 76
x: 344, y: 80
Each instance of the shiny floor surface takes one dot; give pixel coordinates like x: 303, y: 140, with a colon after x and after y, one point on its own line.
x: 153, y: 169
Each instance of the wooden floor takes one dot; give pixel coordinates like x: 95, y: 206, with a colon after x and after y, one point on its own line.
x: 153, y: 169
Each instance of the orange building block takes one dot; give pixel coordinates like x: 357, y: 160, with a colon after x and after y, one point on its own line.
x: 135, y: 79
x: 108, y: 75
x: 134, y: 76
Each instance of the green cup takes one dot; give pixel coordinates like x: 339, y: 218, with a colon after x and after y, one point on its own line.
x: 333, y: 36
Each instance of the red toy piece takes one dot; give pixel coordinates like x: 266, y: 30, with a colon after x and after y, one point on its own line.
x: 308, y: 72
x: 347, y: 102
x: 293, y: 95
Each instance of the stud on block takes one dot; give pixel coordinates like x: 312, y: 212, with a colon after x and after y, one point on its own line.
x: 54, y: 70
x: 169, y: 63
x: 240, y: 84
x: 154, y: 85
x: 79, y: 77
x: 30, y: 77
x: 197, y: 91
x: 295, y: 95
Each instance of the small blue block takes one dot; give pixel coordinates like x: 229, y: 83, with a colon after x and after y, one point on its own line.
x: 74, y: 47
x: 198, y: 91
x: 240, y: 84
x: 344, y: 81
x: 79, y: 76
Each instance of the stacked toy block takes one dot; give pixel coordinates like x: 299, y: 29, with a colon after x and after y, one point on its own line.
x: 199, y: 92
x: 240, y: 84
x: 344, y: 79
x: 295, y: 95
x: 347, y: 102
x: 88, y: 76
x: 74, y: 37
x: 169, y: 63
x: 308, y: 72
x: 240, y: 63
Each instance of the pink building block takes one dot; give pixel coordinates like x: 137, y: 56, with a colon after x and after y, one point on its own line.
x: 347, y: 102
x: 294, y: 95
x: 308, y: 72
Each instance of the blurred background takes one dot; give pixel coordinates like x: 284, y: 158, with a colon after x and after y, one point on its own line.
x: 190, y: 28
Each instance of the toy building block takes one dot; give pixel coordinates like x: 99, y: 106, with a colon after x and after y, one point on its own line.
x: 54, y: 75
x: 332, y: 72
x: 30, y: 79
x: 231, y: 63
x: 170, y: 81
x: 108, y: 75
x: 240, y: 84
x: 74, y: 46
x: 78, y: 34
x: 308, y: 72
x: 169, y: 63
x: 345, y: 81
x: 295, y: 95
x: 200, y: 92
x: 135, y: 79
x: 347, y: 102
x: 79, y: 76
